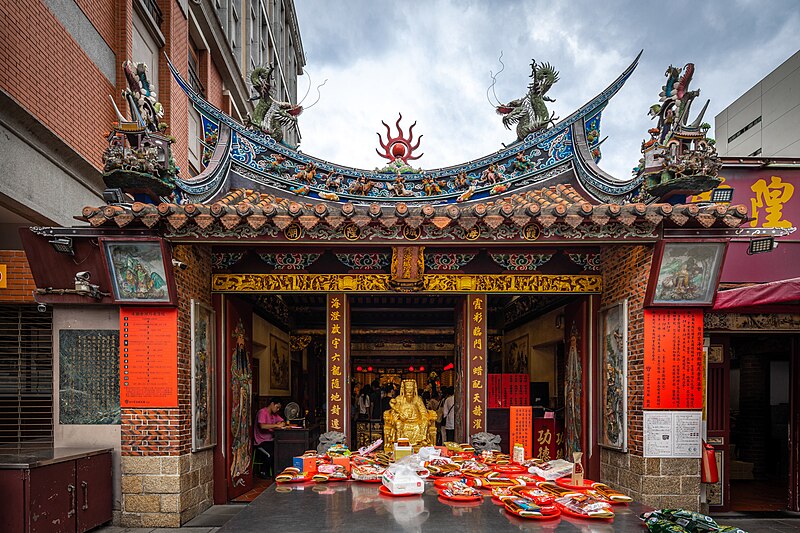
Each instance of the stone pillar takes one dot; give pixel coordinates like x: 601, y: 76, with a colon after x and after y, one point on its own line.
x: 655, y: 482
x: 164, y: 484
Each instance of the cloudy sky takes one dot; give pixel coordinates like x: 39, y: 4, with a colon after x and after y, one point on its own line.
x: 430, y: 60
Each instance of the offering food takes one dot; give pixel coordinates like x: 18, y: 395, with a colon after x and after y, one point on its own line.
x: 607, y: 493
x: 527, y: 508
x: 458, y: 490
x: 552, y: 470
x: 584, y: 506
x: 292, y: 475
x: 367, y: 472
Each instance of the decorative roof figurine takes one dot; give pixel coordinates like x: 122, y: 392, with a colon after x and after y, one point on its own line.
x: 529, y: 113
x: 679, y: 159
x: 271, y: 116
x: 399, y: 149
x: 138, y: 158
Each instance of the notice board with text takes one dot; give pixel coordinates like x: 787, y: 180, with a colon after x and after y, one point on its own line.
x: 148, y: 338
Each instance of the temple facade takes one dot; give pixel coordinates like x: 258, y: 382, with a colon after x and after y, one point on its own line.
x: 272, y: 273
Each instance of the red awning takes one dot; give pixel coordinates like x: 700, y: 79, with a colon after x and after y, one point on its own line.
x: 759, y: 297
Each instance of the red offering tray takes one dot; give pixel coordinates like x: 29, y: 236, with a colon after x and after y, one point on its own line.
x: 498, y: 501
x: 386, y: 492
x: 533, y: 517
x: 566, y: 482
x: 443, y: 481
x: 453, y: 503
x: 510, y: 469
x: 464, y: 498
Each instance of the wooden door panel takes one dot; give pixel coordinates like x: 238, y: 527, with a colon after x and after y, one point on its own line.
x: 94, y: 486
x: 718, y: 420
x: 53, y: 498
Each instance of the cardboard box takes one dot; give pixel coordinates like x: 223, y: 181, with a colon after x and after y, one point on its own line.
x: 399, y: 486
x: 402, y: 451
x: 305, y: 464
x: 344, y: 461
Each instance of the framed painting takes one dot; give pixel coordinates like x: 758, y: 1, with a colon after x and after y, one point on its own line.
x: 204, y: 377
x: 614, y: 371
x: 685, y: 273
x: 280, y: 368
x: 140, y: 270
x: 516, y: 356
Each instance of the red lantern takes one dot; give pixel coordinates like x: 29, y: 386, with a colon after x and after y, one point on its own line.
x: 422, y: 369
x: 358, y: 369
x: 369, y: 369
x: 411, y: 369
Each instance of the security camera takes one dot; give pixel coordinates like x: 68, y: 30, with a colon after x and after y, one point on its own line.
x: 179, y: 264
x: 42, y: 308
x: 82, y: 282
x: 83, y: 276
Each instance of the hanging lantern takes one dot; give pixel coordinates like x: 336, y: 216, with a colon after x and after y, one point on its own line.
x: 358, y: 369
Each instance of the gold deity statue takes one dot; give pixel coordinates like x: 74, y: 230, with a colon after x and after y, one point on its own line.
x: 408, y: 418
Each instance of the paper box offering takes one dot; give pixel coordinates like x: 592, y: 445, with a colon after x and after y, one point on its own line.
x: 344, y: 461
x: 305, y: 463
x: 402, y: 479
x: 402, y: 449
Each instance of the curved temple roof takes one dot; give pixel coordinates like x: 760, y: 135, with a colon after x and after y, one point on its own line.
x: 241, y: 158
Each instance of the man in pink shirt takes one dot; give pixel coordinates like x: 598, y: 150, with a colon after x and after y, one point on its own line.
x: 267, y: 420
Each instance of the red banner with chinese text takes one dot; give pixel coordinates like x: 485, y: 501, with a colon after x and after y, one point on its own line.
x: 673, y: 359
x: 337, y: 363
x: 475, y: 379
x: 521, y: 429
x: 149, y: 357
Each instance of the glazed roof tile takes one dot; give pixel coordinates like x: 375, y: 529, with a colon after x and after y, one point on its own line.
x: 559, y: 204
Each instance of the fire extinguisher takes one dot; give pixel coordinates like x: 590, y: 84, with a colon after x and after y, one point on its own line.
x: 708, y: 471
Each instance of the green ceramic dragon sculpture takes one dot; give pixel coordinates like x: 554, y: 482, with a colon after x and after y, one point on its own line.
x: 270, y: 115
x: 530, y: 113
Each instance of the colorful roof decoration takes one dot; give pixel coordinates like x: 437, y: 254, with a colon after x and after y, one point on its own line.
x: 546, y: 184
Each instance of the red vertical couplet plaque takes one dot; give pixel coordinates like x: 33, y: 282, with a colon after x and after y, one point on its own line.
x: 521, y: 429
x: 337, y: 362
x: 476, y: 364
x: 148, y: 347
x: 673, y: 359
x: 546, y: 439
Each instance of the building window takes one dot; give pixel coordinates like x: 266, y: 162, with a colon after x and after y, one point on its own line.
x: 152, y: 8
x: 235, y: 29
x: 741, y: 131
x: 26, y: 375
x: 145, y: 49
x: 194, y: 73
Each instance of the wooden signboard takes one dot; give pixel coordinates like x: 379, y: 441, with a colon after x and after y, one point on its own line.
x: 673, y: 358
x: 148, y: 341
x: 521, y: 429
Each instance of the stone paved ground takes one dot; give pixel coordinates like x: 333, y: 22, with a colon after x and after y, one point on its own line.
x: 207, y: 522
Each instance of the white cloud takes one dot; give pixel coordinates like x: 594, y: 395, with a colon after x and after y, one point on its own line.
x: 431, y: 61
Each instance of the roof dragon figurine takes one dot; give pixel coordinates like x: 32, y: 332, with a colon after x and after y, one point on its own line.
x: 530, y: 113
x: 679, y: 159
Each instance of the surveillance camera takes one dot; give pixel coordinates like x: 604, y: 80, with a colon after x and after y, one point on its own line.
x: 42, y: 308
x: 179, y: 264
x: 83, y: 276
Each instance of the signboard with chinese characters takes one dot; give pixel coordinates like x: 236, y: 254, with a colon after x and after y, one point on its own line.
x: 3, y: 276
x: 476, y: 364
x: 338, y: 395
x: 673, y: 358
x: 148, y: 357
x: 548, y: 439
x: 521, y: 429
x: 672, y: 434
x: 88, y: 376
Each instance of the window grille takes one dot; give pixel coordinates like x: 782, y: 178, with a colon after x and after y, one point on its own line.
x: 26, y: 375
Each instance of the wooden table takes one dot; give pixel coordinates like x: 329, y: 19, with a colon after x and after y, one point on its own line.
x: 290, y: 443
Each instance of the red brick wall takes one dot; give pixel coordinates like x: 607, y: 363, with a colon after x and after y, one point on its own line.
x: 626, y: 270
x: 20, y: 285
x: 101, y: 14
x: 176, y: 104
x: 48, y: 73
x: 168, y: 431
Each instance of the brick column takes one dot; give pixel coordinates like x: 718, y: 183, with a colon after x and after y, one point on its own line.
x: 164, y: 484
x: 659, y: 483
